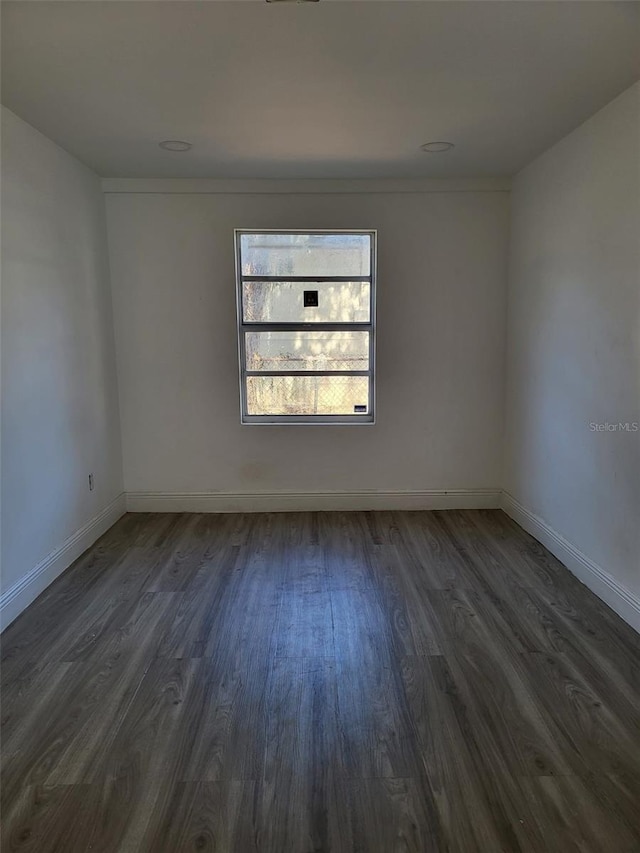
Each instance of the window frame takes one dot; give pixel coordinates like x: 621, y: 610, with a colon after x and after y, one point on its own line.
x: 244, y: 327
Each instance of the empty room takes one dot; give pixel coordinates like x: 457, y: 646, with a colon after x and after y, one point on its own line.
x: 320, y: 432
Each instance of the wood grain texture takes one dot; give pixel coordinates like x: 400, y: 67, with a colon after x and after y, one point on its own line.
x: 320, y: 683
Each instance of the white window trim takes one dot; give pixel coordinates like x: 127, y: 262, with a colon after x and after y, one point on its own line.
x: 370, y: 327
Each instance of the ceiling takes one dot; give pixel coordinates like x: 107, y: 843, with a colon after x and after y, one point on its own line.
x: 323, y: 90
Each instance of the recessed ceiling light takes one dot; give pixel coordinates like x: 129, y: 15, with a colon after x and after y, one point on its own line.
x: 437, y: 147
x: 174, y: 145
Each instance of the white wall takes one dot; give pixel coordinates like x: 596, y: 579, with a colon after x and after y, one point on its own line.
x: 441, y: 328
x: 574, y: 341
x: 60, y: 416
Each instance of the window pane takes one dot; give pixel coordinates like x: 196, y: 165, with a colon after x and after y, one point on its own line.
x: 305, y: 254
x: 297, y: 350
x: 283, y: 302
x: 307, y: 395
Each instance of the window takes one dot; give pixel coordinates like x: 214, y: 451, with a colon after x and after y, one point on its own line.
x: 306, y: 320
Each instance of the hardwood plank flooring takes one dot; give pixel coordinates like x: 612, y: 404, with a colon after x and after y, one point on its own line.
x: 424, y: 682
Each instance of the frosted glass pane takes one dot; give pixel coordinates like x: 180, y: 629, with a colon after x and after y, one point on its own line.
x: 297, y: 350
x: 283, y: 302
x: 307, y: 395
x: 305, y: 254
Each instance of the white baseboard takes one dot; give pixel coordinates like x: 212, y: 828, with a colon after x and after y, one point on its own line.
x: 28, y: 588
x: 311, y: 501
x: 620, y: 599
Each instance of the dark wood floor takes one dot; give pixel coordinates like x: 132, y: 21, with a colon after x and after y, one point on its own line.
x: 314, y: 682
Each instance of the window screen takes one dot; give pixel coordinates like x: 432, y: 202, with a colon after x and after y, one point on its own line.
x: 306, y: 311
